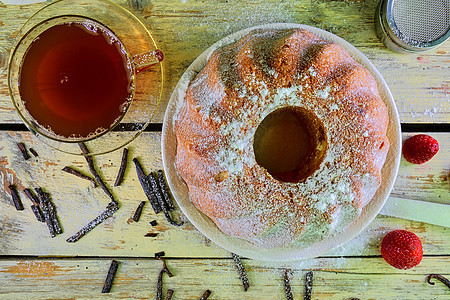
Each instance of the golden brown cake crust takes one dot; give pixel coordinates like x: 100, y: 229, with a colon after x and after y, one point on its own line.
x: 241, y: 84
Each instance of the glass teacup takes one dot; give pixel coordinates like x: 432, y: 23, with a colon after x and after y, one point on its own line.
x: 85, y: 71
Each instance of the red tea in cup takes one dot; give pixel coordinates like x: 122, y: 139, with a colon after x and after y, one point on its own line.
x: 76, y: 79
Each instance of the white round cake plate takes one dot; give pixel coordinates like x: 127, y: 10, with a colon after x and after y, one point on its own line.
x: 291, y: 252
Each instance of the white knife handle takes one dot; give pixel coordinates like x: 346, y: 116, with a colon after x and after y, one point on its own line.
x: 421, y: 211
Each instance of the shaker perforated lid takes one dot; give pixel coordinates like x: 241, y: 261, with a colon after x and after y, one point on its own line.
x: 413, y: 25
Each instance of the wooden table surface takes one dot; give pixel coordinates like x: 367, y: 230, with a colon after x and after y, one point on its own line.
x: 35, y: 266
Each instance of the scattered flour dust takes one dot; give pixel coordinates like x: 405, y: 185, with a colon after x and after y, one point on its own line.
x: 364, y: 243
x: 259, y: 12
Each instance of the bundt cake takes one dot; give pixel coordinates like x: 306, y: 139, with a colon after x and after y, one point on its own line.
x: 281, y: 138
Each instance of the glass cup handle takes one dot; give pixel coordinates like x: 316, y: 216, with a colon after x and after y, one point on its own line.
x: 4, y: 55
x: 144, y: 60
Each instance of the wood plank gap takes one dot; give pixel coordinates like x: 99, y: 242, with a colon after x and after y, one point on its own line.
x: 13, y: 127
x: 152, y: 127
x: 90, y: 257
x: 337, y: 271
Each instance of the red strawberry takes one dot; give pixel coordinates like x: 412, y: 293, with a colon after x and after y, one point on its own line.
x: 402, y: 249
x: 420, y: 148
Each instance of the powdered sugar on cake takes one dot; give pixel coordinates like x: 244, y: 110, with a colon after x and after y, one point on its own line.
x: 241, y: 85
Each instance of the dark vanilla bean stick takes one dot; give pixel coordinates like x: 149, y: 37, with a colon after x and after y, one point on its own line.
x: 159, y: 285
x: 165, y: 191
x: 123, y: 166
x: 153, y: 194
x: 29, y: 193
x: 165, y: 268
x: 169, y: 294
x: 308, y: 285
x: 138, y: 212
x: 37, y: 213
x: 438, y: 277
x: 160, y: 199
x: 110, y: 210
x: 155, y: 188
x: 90, y: 162
x: 287, y: 284
x: 160, y: 254
x: 160, y: 276
x: 151, y: 234
x: 35, y: 207
x: 153, y: 201
x: 44, y: 199
x: 206, y: 295
x: 23, y: 150
x: 77, y: 173
x: 241, y: 270
x: 110, y: 277
x: 43, y: 205
x: 35, y: 154
x: 52, y: 211
x: 147, y: 187
x: 15, y: 197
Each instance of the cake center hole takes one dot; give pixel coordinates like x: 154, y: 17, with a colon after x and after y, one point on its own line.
x: 290, y: 144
